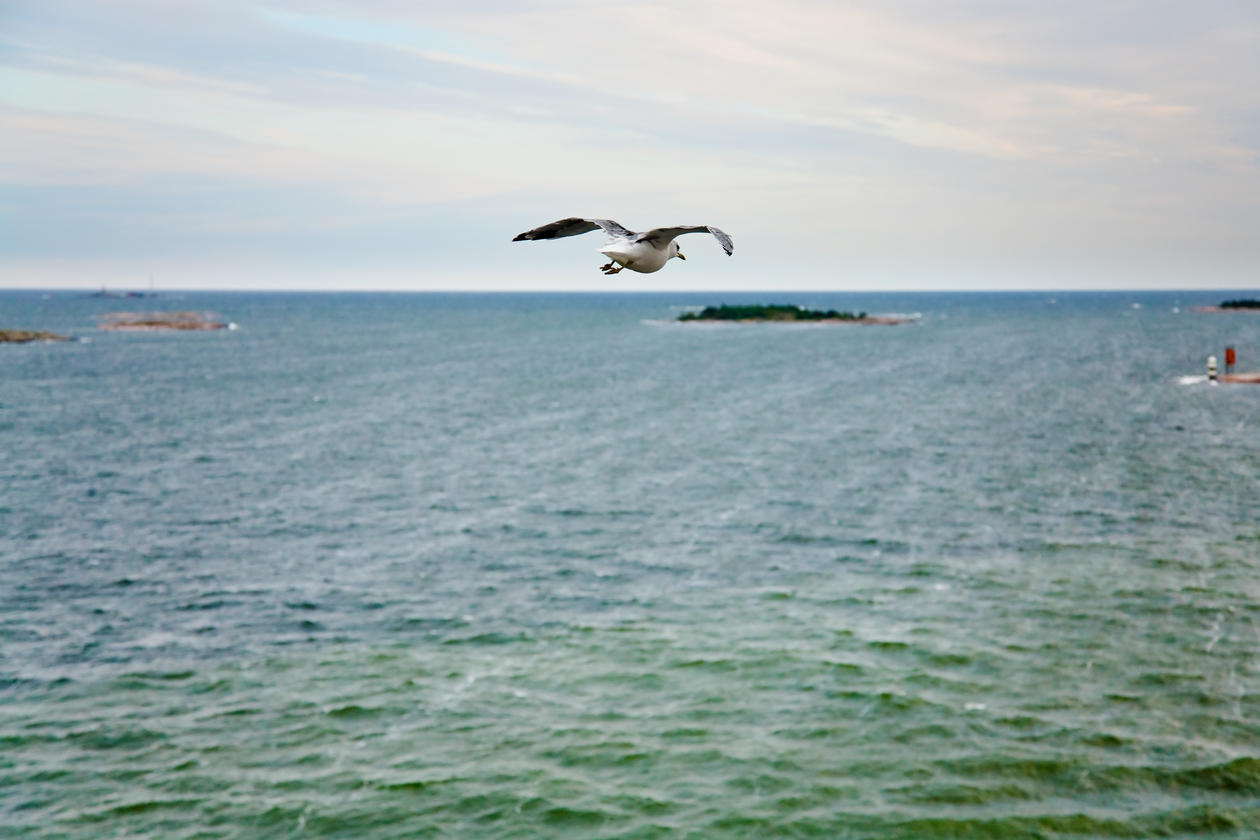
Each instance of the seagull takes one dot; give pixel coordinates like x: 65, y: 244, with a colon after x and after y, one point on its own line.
x: 642, y: 252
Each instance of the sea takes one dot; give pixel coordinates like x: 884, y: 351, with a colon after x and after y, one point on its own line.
x: 557, y: 566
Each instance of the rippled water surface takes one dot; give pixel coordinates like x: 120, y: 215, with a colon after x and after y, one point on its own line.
x: 550, y: 566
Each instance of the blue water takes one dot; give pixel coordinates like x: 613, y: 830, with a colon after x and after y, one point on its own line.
x: 483, y: 566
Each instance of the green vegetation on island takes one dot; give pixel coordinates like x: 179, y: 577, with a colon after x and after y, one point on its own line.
x: 781, y: 313
x: 770, y: 312
x: 23, y: 336
x: 1242, y: 303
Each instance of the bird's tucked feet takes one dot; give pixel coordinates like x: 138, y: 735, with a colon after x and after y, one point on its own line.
x: 610, y: 268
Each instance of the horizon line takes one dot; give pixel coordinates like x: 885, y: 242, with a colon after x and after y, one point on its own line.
x: 93, y: 290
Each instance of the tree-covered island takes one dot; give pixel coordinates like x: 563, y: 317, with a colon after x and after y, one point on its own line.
x: 784, y: 313
x: 1240, y: 305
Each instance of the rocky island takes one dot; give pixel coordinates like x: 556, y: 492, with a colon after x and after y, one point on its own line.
x: 786, y: 314
x: 23, y: 336
x: 138, y: 321
x: 1242, y: 304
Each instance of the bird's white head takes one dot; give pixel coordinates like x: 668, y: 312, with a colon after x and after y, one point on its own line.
x: 673, y: 246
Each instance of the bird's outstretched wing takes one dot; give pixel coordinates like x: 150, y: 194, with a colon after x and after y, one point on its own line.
x: 572, y: 227
x: 662, y: 236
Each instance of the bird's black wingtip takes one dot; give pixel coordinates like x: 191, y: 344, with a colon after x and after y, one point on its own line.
x: 519, y: 237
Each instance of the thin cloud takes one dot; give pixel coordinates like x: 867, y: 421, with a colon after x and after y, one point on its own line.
x: 972, y: 132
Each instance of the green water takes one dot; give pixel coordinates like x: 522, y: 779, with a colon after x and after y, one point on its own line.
x: 427, y: 566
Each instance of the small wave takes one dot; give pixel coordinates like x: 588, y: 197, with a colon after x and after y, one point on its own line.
x: 1191, y: 380
x: 353, y: 710
x: 109, y: 738
x: 144, y: 806
x: 693, y: 325
x: 141, y: 678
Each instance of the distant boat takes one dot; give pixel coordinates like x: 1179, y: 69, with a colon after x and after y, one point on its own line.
x: 105, y: 293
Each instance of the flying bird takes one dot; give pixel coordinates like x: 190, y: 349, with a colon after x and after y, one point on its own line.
x: 642, y: 252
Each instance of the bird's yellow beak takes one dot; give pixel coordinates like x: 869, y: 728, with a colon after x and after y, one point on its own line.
x: 680, y: 256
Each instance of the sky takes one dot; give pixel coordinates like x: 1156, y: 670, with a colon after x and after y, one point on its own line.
x: 871, y: 144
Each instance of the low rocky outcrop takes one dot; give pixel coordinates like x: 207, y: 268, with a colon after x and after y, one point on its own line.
x: 23, y: 336
x: 140, y: 321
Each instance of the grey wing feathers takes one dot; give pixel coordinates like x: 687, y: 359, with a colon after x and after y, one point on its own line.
x: 663, y: 235
x: 572, y: 227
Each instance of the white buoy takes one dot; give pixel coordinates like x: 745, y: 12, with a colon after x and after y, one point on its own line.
x: 1212, y: 368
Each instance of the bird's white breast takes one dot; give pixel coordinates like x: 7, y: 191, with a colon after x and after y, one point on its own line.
x: 636, y: 256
